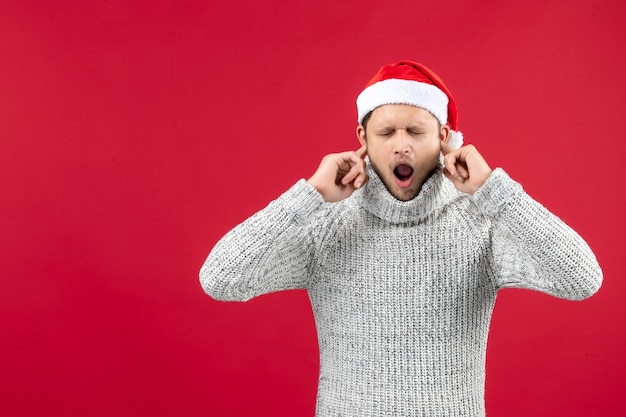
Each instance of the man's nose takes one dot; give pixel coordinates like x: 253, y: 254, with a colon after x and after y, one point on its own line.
x: 402, y: 143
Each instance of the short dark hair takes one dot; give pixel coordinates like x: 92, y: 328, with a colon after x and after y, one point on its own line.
x: 365, y: 120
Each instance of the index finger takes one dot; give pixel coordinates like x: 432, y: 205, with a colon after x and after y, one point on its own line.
x: 445, y: 148
x: 362, y: 151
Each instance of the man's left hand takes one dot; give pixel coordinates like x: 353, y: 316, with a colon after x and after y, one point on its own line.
x: 465, y: 167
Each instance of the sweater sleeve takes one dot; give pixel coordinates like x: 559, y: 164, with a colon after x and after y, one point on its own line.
x: 270, y: 251
x: 532, y: 248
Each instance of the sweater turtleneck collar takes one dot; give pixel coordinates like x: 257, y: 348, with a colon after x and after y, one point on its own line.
x: 435, y: 193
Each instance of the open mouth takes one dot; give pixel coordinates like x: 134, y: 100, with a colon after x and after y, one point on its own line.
x: 403, y: 172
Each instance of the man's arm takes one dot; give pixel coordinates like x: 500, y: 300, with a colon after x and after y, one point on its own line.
x: 268, y: 252
x: 272, y: 250
x: 530, y: 247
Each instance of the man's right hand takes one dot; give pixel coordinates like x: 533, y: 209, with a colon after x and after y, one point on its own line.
x: 340, y: 174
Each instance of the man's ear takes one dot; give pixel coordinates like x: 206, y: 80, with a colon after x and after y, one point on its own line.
x: 444, y: 133
x: 360, y: 134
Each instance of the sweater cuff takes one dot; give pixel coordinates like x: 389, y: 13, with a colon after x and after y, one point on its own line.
x: 302, y: 199
x: 496, y: 192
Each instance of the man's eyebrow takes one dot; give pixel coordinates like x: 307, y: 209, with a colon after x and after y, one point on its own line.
x: 411, y: 126
x: 417, y: 125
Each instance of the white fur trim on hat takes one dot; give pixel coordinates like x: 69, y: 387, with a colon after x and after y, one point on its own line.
x: 398, y: 91
x: 455, y: 139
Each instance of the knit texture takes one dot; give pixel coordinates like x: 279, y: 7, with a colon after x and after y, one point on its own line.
x: 402, y: 292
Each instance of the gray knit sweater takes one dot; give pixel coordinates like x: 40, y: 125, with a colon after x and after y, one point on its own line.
x: 402, y: 292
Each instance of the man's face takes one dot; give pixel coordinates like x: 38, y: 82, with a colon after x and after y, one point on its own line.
x: 403, y: 144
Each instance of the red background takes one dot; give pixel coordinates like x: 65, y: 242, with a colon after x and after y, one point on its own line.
x: 135, y: 134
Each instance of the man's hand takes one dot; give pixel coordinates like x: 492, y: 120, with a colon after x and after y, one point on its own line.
x: 339, y: 174
x: 465, y: 167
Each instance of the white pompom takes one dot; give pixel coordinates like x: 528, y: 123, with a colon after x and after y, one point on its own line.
x: 455, y: 139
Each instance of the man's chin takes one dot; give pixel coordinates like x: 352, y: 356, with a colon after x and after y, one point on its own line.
x: 404, y: 194
x: 399, y: 193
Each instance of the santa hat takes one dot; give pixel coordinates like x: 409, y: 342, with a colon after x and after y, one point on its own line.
x: 411, y: 83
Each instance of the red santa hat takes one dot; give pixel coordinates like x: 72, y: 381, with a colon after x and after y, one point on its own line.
x: 411, y: 83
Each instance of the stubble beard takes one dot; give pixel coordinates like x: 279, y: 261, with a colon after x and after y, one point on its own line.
x: 425, y: 175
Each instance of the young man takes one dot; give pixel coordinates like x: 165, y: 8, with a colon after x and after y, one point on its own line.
x: 402, y: 256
